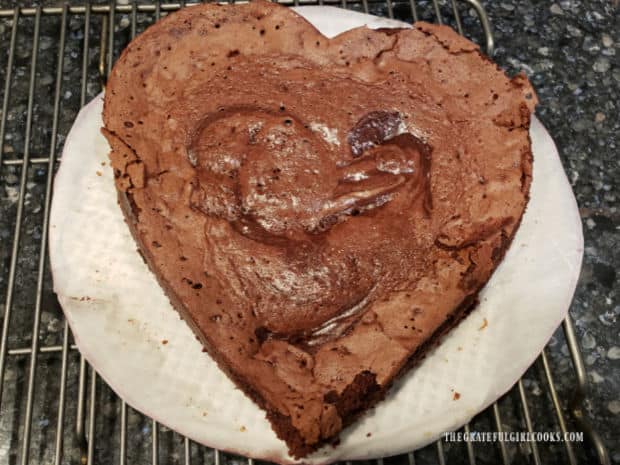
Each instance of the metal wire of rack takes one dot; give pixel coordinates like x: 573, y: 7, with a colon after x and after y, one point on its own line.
x: 91, y: 424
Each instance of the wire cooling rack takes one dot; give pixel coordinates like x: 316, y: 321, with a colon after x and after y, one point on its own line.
x: 53, y: 407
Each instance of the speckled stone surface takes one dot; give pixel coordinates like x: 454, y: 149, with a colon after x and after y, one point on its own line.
x: 571, y: 52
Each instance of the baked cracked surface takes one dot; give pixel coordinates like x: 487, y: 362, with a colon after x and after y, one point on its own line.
x: 318, y: 210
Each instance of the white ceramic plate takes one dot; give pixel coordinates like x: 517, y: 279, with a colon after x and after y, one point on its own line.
x: 120, y: 317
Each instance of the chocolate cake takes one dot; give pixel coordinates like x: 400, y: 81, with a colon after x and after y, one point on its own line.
x: 319, y: 211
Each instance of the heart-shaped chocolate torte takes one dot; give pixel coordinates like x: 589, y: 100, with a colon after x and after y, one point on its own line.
x: 318, y: 210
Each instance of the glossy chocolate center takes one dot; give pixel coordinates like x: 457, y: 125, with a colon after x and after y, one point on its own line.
x: 270, y: 177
